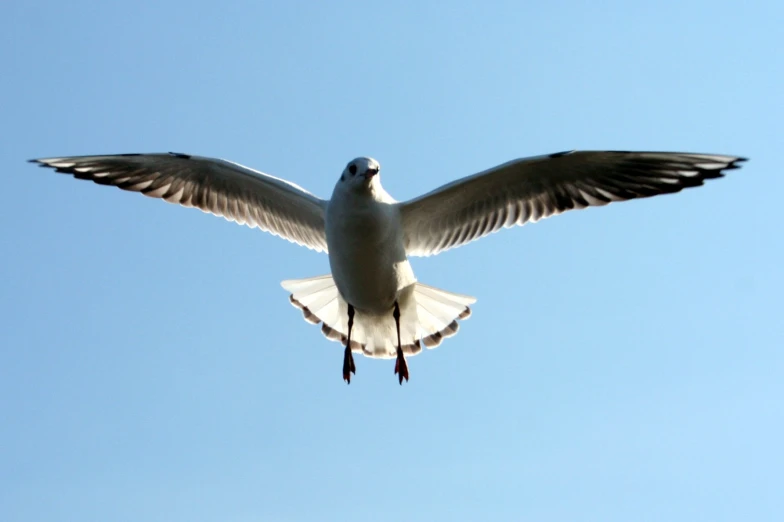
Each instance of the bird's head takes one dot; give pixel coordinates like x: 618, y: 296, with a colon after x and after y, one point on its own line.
x: 360, y: 175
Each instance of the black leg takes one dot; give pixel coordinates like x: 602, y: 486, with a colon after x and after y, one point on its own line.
x: 348, y: 357
x: 401, y: 367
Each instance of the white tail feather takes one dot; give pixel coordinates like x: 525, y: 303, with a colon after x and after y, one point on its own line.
x: 427, y: 316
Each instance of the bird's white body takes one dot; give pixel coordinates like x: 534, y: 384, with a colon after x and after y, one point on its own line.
x: 371, y: 273
x: 367, y: 254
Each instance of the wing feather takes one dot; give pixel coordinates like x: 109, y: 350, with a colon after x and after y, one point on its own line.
x: 530, y: 189
x: 216, y: 186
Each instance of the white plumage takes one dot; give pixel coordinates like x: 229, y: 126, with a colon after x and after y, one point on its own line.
x: 369, y: 236
x: 428, y: 316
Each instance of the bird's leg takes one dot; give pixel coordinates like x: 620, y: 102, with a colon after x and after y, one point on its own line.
x: 348, y: 357
x: 401, y: 367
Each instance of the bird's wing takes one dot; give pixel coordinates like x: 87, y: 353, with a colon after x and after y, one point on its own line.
x: 219, y: 187
x: 529, y: 189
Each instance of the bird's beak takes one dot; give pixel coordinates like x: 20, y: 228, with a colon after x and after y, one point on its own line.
x: 369, y: 173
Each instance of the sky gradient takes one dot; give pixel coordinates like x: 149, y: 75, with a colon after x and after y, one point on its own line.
x: 622, y: 363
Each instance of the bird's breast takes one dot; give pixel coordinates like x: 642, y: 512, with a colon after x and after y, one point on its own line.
x: 367, y: 256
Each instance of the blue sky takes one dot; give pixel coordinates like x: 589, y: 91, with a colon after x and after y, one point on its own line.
x: 622, y: 363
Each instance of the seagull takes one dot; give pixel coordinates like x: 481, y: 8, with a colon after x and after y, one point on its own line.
x: 371, y: 302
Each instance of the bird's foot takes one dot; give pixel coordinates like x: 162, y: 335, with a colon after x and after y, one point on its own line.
x: 401, y: 367
x: 348, y: 365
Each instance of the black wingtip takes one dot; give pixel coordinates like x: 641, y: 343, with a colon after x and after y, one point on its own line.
x: 736, y: 163
x: 180, y: 155
x: 40, y: 163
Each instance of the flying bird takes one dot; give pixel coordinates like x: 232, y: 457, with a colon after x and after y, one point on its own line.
x: 371, y: 302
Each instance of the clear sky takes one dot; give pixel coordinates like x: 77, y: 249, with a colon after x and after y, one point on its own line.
x: 622, y: 363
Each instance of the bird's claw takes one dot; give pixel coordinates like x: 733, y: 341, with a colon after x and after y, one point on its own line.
x: 401, y: 368
x: 348, y: 365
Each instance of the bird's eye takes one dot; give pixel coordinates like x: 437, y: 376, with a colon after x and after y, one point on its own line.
x: 352, y: 169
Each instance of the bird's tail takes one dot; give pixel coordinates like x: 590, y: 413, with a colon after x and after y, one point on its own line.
x: 427, y: 316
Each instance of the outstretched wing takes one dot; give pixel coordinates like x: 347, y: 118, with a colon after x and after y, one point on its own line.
x: 529, y: 189
x: 217, y: 186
